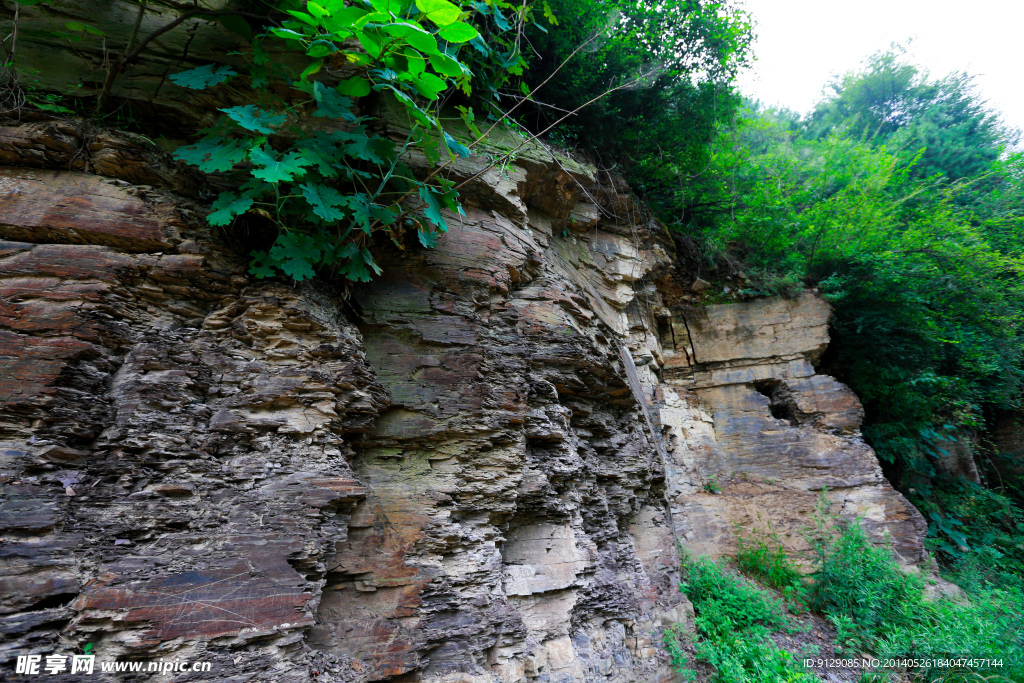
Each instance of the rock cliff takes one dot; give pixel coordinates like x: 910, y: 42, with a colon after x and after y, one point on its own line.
x: 475, y: 468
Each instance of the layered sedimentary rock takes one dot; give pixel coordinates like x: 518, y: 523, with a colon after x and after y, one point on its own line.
x: 474, y: 468
x: 759, y: 441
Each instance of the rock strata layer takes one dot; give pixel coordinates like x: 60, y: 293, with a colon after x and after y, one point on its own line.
x: 475, y: 468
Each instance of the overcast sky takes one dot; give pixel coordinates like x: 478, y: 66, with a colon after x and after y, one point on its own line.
x: 801, y: 43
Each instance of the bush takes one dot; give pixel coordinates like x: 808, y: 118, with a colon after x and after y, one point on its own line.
x: 878, y: 607
x: 735, y: 620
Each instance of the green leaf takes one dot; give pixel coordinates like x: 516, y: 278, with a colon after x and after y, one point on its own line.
x: 455, y: 147
x: 432, y: 212
x: 313, y: 68
x: 227, y: 206
x: 261, y: 265
x: 203, y: 76
x: 414, y: 110
x: 344, y: 20
x: 428, y: 238
x: 316, y: 10
x: 330, y: 104
x: 414, y: 35
x: 441, y: 12
x: 445, y: 65
x: 321, y: 48
x: 214, y: 154
x: 458, y: 33
x: 295, y: 254
x: 362, y: 146
x: 322, y: 150
x: 272, y: 169
x: 252, y: 118
x: 305, y: 18
x: 287, y: 34
x: 389, y: 6
x: 358, y: 265
x: 324, y: 200
x: 369, y: 43
x: 416, y: 62
x: 354, y: 87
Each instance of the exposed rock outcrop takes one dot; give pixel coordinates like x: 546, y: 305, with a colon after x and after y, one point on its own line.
x: 475, y: 468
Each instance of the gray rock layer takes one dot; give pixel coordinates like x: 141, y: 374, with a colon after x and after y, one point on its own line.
x: 475, y: 468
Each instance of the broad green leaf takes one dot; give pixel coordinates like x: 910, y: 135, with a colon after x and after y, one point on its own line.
x: 305, y: 18
x: 441, y: 12
x: 344, y: 20
x: 316, y: 10
x: 362, y: 146
x: 369, y: 43
x: 330, y: 104
x: 213, y: 154
x: 414, y: 35
x: 324, y: 200
x: 458, y: 33
x: 416, y: 62
x: 252, y: 118
x: 227, y: 206
x: 445, y: 65
x: 354, y: 87
x: 322, y: 150
x: 273, y: 169
x: 261, y: 265
x: 287, y: 34
x: 432, y: 210
x: 313, y: 68
x: 455, y: 147
x: 295, y: 254
x: 389, y: 6
x: 203, y: 76
x: 321, y: 48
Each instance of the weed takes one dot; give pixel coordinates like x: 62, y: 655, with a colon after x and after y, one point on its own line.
x: 762, y: 555
x: 735, y: 620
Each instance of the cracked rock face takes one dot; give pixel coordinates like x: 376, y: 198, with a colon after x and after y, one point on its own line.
x: 474, y: 468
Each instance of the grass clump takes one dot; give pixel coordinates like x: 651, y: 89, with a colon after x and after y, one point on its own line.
x: 761, y: 555
x: 734, y: 622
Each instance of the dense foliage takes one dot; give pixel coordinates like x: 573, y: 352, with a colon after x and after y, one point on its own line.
x: 328, y: 188
x: 735, y: 620
x: 653, y: 81
x: 879, y: 609
x: 904, y: 205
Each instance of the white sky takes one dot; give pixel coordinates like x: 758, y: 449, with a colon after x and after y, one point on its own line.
x: 801, y: 43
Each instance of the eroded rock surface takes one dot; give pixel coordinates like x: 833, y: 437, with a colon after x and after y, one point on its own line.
x: 475, y: 468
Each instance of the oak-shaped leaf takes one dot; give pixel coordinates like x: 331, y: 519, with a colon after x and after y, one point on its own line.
x: 273, y: 168
x: 227, y: 206
x: 213, y: 154
x: 203, y: 77
x: 326, y: 201
x: 255, y: 119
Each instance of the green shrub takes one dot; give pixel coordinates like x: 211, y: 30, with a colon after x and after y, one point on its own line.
x: 735, y: 620
x: 762, y: 555
x: 878, y: 607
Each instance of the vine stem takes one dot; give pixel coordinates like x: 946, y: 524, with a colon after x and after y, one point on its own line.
x: 114, y: 66
x: 130, y: 54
